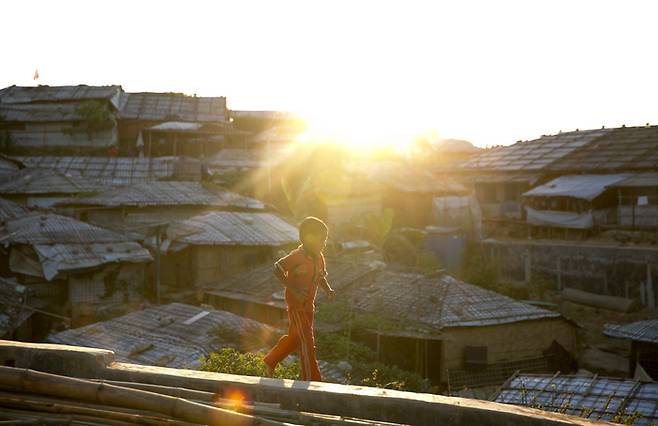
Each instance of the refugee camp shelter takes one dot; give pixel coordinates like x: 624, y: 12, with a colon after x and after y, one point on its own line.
x: 35, y: 187
x: 411, y: 196
x: 258, y: 294
x: 8, y: 166
x: 15, y: 311
x: 637, y: 206
x: 137, y: 207
x: 452, y: 331
x: 140, y: 112
x: 58, y: 119
x: 204, y: 249
x: 502, y: 174
x: 643, y: 336
x: 183, y: 138
x: 594, y: 398
x: 574, y: 202
x: 100, y: 270
x: 119, y: 171
x: 11, y: 210
x: 173, y: 335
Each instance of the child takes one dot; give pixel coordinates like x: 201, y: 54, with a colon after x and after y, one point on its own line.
x: 301, y: 272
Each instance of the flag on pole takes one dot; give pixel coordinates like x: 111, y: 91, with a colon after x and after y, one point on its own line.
x: 36, y: 74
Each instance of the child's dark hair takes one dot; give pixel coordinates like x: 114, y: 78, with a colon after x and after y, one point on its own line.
x: 312, y: 225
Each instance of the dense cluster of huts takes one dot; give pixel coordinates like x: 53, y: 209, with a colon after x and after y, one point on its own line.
x: 146, y: 222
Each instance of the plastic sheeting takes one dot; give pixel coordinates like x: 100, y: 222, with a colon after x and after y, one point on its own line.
x: 560, y: 219
x: 584, y: 187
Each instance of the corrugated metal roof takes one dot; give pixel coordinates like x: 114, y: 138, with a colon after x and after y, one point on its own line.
x: 35, y: 181
x: 49, y: 228
x: 233, y: 228
x: 247, y: 158
x: 596, y: 398
x: 425, y: 183
x: 585, y: 151
x: 533, y: 155
x: 121, y: 171
x: 22, y: 95
x: 620, y: 149
x: 435, y: 303
x: 638, y: 180
x: 166, y: 194
x: 10, y: 210
x: 584, y: 187
x: 56, y: 258
x: 641, y: 331
x: 160, y: 335
x: 176, y: 126
x: 57, y: 112
x: 259, y: 284
x: 172, y: 107
x: 7, y: 166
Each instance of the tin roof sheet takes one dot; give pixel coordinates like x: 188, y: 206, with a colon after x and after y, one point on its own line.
x: 641, y: 331
x: 167, y: 335
x: 601, y: 398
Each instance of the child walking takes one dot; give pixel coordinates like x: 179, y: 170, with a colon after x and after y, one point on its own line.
x: 301, y: 272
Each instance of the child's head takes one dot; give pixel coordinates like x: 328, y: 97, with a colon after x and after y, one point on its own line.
x: 313, y: 234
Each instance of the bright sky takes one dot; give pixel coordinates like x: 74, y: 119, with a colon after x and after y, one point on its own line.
x: 491, y: 72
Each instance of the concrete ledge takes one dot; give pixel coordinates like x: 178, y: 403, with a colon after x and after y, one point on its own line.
x: 57, y: 359
x: 325, y: 398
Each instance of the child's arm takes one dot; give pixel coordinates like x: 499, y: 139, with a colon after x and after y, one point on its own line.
x: 282, y: 275
x: 327, y: 288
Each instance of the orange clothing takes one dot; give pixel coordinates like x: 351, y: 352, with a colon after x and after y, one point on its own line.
x: 302, y: 271
x: 300, y: 336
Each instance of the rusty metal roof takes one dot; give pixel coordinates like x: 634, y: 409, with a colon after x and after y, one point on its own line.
x: 174, y: 335
x: 595, y: 398
x: 588, y: 151
x: 120, y: 171
x: 533, y: 155
x: 49, y: 228
x: 34, y: 181
x: 234, y: 228
x: 173, y: 107
x: 10, y: 210
x: 433, y: 303
x: 26, y: 94
x: 641, y: 331
x: 56, y: 258
x: 166, y: 194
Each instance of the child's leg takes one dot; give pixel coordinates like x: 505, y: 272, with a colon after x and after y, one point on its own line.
x: 285, y: 346
x: 308, y: 361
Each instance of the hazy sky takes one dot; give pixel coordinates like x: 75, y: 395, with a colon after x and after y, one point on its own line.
x: 491, y: 72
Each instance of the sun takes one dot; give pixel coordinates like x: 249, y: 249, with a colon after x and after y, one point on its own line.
x: 362, y: 132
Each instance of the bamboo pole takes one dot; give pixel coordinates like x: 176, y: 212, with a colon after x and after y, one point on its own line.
x: 51, y: 405
x: 31, y: 381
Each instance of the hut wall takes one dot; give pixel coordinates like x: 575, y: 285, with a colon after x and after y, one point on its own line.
x: 89, y: 293
x: 507, y: 342
x: 613, y: 270
x: 344, y: 212
x: 47, y: 137
x: 211, y: 263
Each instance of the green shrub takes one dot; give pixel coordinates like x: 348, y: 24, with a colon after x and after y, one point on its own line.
x: 230, y: 361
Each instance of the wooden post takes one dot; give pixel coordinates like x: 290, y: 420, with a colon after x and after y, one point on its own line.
x: 157, y: 266
x: 559, y: 274
x: 651, y: 297
x: 150, y: 144
x: 528, y: 267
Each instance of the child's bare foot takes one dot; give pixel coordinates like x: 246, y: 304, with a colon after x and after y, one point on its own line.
x: 269, y: 370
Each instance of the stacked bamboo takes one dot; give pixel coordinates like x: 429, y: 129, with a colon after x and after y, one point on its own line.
x: 118, y: 403
x: 92, y: 402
